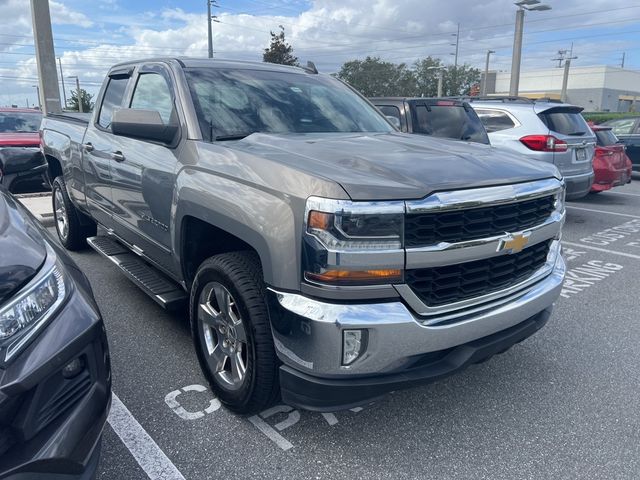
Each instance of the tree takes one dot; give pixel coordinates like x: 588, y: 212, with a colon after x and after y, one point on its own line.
x: 279, y: 50
x: 458, y: 81
x: 376, y: 78
x: 87, y: 103
x: 427, y: 72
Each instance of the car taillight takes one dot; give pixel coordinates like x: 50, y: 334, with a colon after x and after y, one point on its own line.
x: 544, y: 143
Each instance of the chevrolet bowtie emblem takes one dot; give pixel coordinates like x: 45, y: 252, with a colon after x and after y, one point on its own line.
x: 514, y: 243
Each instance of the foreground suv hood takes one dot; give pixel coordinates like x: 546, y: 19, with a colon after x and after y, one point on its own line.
x: 395, y: 165
x: 22, y: 250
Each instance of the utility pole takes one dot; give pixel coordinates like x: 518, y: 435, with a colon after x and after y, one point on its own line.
x: 38, y: 94
x: 483, y: 91
x: 49, y: 92
x: 64, y: 92
x: 622, y: 63
x: 565, y: 78
x: 516, y: 59
x: 78, y: 96
x: 440, y: 80
x: 457, y: 45
x: 210, y: 19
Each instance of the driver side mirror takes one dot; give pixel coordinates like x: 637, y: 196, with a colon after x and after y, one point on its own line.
x: 143, y: 125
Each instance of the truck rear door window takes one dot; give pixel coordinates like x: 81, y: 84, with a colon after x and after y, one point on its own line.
x: 449, y: 122
x: 112, y: 100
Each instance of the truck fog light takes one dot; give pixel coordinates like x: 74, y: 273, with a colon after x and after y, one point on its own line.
x: 354, y: 343
x: 73, y: 368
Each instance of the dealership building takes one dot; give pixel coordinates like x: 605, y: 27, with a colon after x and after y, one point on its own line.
x: 597, y: 88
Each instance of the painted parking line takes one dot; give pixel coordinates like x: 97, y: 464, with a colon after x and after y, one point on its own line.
x: 603, y: 250
x: 603, y: 211
x: 624, y: 193
x: 144, y: 449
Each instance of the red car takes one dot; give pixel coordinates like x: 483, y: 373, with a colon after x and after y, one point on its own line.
x: 23, y: 168
x: 610, y: 163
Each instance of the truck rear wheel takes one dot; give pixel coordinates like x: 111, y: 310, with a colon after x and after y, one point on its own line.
x: 73, y: 227
x: 231, y: 331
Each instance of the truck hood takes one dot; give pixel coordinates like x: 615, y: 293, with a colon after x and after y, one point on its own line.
x: 31, y: 139
x: 22, y: 249
x: 394, y: 166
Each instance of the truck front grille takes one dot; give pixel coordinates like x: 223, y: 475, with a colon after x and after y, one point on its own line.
x: 424, y: 229
x: 453, y: 283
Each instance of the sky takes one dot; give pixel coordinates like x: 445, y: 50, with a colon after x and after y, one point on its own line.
x: 90, y: 36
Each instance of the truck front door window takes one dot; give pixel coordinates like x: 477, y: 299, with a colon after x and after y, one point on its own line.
x: 112, y: 100
x: 152, y: 93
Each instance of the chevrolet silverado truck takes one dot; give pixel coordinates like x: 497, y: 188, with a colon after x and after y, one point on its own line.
x: 324, y: 256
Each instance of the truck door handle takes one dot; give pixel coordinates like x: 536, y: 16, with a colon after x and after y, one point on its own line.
x: 118, y: 156
x: 88, y: 147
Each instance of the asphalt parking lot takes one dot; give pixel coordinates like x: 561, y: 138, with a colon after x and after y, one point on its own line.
x: 563, y: 404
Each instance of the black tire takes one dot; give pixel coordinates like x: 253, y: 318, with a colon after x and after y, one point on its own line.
x: 240, y: 274
x: 73, y: 236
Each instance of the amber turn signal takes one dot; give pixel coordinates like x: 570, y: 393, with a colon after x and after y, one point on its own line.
x: 356, y: 276
x: 319, y: 220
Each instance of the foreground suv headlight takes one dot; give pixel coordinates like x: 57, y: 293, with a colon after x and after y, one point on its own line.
x: 23, y: 316
x: 353, y: 243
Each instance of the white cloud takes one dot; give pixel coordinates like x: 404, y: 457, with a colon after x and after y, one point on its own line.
x: 330, y: 32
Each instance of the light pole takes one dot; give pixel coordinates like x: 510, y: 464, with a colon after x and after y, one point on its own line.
x: 78, y: 96
x: 210, y: 18
x: 64, y: 92
x: 486, y: 74
x: 38, y: 94
x: 530, y: 5
x: 440, y: 77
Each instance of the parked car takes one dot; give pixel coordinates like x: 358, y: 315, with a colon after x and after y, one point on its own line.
x: 438, y: 117
x: 611, y: 165
x: 628, y: 132
x: 323, y: 254
x: 22, y: 166
x: 542, y: 130
x: 55, y: 383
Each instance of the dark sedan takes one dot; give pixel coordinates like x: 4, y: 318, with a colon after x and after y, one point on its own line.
x: 55, y: 381
x: 628, y: 132
x: 23, y: 168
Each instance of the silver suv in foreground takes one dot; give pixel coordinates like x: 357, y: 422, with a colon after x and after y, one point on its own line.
x: 542, y: 130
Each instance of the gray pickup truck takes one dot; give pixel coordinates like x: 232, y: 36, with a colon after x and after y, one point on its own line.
x: 323, y: 255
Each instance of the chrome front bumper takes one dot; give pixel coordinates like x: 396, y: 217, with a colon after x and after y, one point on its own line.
x: 308, y: 332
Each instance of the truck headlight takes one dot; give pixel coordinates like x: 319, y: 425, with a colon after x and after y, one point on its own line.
x: 24, y: 314
x: 348, y: 235
x: 560, y: 199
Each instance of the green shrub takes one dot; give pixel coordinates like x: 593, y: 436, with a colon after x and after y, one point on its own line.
x: 601, y: 117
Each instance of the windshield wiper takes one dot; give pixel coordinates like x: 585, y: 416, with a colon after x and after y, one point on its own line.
x: 233, y: 136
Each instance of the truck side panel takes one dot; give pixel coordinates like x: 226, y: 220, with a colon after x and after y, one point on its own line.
x: 62, y: 141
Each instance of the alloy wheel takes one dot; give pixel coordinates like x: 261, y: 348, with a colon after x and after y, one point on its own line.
x: 224, y: 335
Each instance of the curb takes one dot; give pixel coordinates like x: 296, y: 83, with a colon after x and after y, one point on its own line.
x: 46, y: 220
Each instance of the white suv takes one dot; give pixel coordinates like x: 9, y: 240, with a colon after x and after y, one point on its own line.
x: 542, y: 130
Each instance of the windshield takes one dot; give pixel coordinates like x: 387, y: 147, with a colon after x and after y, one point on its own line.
x: 236, y: 103
x: 19, y: 122
x: 450, y: 121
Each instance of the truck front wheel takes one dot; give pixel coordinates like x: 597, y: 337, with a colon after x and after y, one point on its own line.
x: 73, y: 227
x: 231, y: 331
